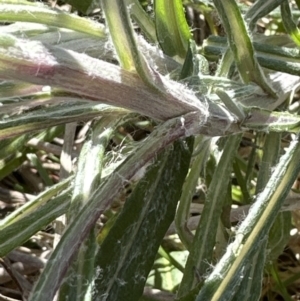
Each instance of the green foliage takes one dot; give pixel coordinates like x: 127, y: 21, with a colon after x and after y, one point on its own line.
x: 180, y: 129
x: 82, y: 6
x: 171, y: 27
x: 141, y: 226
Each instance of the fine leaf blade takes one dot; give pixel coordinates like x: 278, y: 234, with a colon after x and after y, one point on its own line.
x: 282, y: 59
x: 171, y: 27
x: 123, y: 37
x: 141, y: 226
x: 45, y: 15
x: 241, y: 45
x: 20, y: 231
x: 183, y: 210
x: 265, y: 120
x: 143, y: 19
x: 260, y: 9
x: 251, y: 290
x: 60, y: 114
x: 88, y: 178
x: 30, y: 207
x: 54, y: 272
x: 201, y: 254
x: 288, y: 22
x: 223, y: 282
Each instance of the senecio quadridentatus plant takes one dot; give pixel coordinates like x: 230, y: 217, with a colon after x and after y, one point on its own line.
x: 58, y: 68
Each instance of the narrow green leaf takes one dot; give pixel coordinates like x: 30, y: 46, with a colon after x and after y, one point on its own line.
x: 222, y: 283
x: 64, y: 113
x: 188, y: 65
x: 226, y: 66
x: 123, y: 37
x: 282, y: 59
x: 16, y: 233
x: 121, y: 33
x: 241, y: 45
x: 79, y: 228
x: 280, y: 285
x: 233, y: 107
x: 143, y: 19
x: 251, y: 286
x: 241, y: 179
x: 201, y: 254
x: 251, y: 290
x: 288, y: 22
x: 138, y: 230
x: 271, y: 152
x: 265, y: 120
x: 183, y: 210
x: 32, y: 206
x: 260, y: 9
x: 162, y: 252
x: 52, y: 17
x: 88, y: 178
x: 292, y: 279
x: 247, y: 168
x: 279, y: 235
x: 9, y: 146
x: 7, y: 166
x: 171, y: 27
